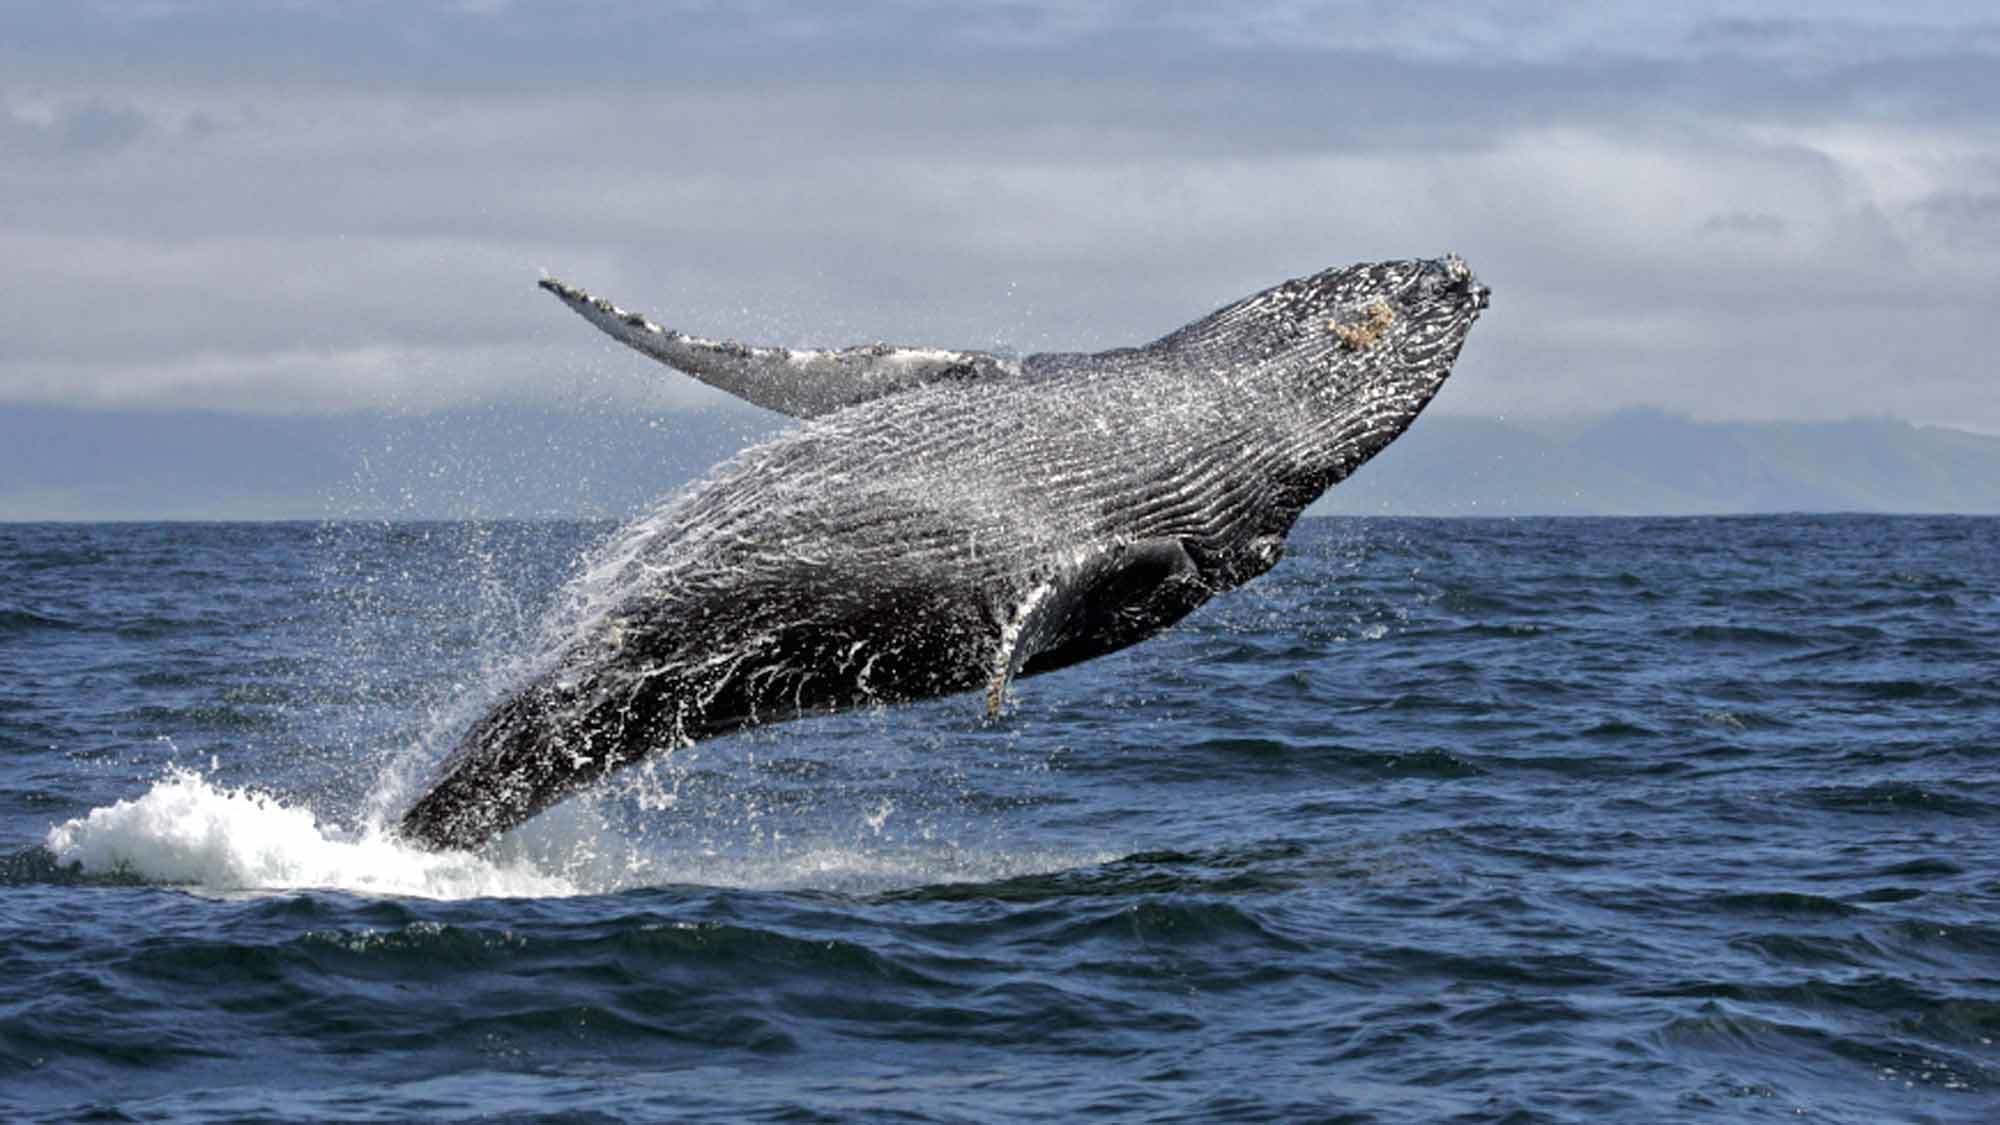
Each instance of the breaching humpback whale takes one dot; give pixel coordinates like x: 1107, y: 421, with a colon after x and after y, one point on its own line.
x: 948, y: 521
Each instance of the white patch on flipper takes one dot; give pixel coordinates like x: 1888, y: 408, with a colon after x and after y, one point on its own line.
x: 1007, y: 658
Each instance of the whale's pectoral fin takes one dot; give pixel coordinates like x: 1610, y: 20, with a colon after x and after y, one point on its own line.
x: 1020, y: 635
x: 799, y: 382
x: 1104, y: 602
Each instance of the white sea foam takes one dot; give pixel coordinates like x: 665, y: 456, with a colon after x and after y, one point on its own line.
x: 185, y: 831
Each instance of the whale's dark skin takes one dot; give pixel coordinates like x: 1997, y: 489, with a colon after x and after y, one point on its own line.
x: 946, y: 521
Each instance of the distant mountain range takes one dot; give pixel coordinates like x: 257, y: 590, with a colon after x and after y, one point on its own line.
x: 497, y: 462
x: 517, y: 462
x: 1644, y: 462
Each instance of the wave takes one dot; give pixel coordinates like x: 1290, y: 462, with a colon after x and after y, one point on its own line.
x: 13, y: 620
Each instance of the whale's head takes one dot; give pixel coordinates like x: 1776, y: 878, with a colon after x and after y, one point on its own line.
x: 1377, y: 324
x: 1390, y: 327
x: 1345, y: 359
x: 1364, y: 348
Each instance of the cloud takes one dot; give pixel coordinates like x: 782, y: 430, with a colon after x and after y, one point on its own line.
x: 330, y: 381
x: 309, y: 208
x: 596, y: 40
x: 1751, y: 224
x: 1964, y: 218
x: 85, y: 126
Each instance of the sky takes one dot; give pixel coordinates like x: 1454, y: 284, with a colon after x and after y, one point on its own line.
x: 1729, y: 211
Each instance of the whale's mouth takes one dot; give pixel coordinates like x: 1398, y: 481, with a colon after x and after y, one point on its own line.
x: 1459, y: 282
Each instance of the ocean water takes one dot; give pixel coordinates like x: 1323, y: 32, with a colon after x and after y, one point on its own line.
x: 1521, y: 820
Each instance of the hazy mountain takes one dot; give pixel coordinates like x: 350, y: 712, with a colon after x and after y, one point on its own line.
x: 495, y: 462
x: 77, y: 464
x: 1644, y: 462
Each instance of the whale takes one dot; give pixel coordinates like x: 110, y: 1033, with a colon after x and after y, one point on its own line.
x: 946, y: 521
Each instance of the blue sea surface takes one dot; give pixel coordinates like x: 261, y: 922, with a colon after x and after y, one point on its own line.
x: 1442, y: 820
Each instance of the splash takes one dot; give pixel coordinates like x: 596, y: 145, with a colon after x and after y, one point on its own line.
x: 185, y: 831
x: 188, y: 832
